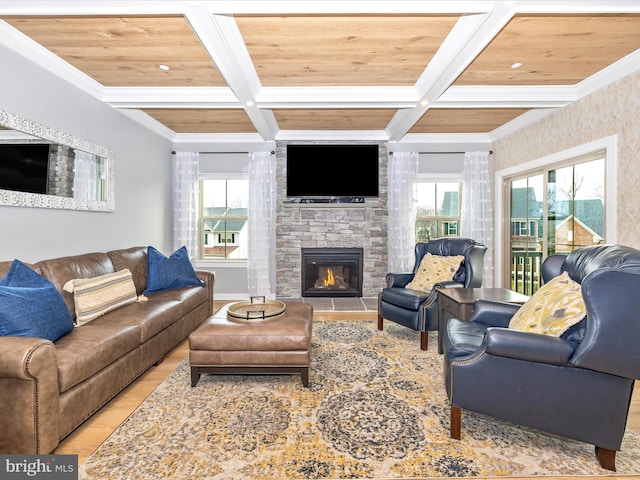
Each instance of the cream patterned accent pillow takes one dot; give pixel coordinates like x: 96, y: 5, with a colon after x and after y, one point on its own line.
x: 434, y: 269
x: 555, y: 307
x: 98, y: 295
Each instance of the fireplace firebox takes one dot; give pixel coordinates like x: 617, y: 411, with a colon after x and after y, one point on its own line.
x: 331, y: 272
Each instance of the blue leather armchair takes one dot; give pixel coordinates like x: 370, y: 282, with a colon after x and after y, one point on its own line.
x: 416, y: 309
x: 579, y: 385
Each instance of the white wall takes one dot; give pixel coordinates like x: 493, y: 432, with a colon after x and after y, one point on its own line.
x: 444, y: 163
x: 143, y: 173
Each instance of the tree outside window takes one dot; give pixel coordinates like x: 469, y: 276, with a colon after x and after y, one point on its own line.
x: 224, y: 219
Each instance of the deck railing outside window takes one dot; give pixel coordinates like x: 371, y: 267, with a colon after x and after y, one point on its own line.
x: 525, y: 271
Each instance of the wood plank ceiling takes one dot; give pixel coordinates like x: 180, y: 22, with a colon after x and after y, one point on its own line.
x: 384, y: 74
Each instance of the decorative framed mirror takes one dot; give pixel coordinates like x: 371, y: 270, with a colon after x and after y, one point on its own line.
x: 45, y: 168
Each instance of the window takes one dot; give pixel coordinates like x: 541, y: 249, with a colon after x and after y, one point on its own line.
x: 576, y: 206
x: 223, y: 218
x: 437, y: 209
x: 555, y: 210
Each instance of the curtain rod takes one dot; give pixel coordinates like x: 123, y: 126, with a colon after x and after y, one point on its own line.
x: 390, y: 153
x: 441, y: 153
x: 272, y: 152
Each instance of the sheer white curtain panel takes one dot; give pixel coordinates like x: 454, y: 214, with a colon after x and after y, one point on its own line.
x: 402, y: 172
x: 185, y: 202
x: 476, y: 217
x: 262, y: 236
x: 87, y: 175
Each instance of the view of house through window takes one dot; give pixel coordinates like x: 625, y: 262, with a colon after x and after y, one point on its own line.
x: 555, y: 210
x: 223, y: 218
x: 437, y: 210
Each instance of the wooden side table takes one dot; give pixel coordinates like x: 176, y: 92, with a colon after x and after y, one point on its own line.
x: 460, y: 303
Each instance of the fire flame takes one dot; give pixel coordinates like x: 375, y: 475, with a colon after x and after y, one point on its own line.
x: 329, y: 280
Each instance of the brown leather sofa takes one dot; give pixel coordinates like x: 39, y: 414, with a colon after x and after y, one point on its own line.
x: 48, y: 389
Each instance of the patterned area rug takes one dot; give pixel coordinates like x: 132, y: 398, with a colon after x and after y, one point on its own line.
x: 375, y: 408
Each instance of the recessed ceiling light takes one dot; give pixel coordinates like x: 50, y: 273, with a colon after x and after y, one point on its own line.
x: 166, y: 68
x: 516, y: 65
x: 424, y: 103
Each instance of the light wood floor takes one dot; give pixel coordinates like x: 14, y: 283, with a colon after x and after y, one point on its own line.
x: 93, y: 432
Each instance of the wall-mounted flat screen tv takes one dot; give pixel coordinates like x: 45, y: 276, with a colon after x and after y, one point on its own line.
x: 331, y: 170
x: 24, y: 167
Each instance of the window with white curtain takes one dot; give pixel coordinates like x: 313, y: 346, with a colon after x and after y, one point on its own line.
x: 223, y: 217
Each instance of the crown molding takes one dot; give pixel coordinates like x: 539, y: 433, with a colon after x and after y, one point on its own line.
x: 148, y: 122
x: 36, y: 53
x: 520, y: 122
x: 614, y: 72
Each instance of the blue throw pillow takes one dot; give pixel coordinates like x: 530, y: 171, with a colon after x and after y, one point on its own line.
x: 166, y: 273
x: 30, y: 305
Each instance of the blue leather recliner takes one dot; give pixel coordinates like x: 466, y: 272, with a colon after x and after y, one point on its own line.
x: 578, y: 385
x: 416, y: 309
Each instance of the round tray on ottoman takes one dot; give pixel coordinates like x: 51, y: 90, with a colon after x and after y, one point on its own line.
x: 255, y: 310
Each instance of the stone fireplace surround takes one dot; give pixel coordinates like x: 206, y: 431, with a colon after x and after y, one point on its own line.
x: 330, y: 225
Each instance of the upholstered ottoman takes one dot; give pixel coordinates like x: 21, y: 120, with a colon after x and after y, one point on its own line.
x: 281, y: 345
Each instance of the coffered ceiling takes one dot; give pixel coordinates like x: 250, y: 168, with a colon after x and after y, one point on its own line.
x: 390, y: 70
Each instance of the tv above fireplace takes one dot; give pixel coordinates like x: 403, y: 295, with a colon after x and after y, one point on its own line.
x: 321, y: 171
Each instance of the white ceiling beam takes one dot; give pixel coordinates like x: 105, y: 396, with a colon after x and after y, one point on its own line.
x: 91, y: 7
x: 354, y: 135
x: 350, y: 7
x: 222, y: 39
x: 337, y: 97
x: 469, y: 36
x: 418, y: 6
x: 164, y: 7
x: 170, y: 97
x: 503, y: 96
